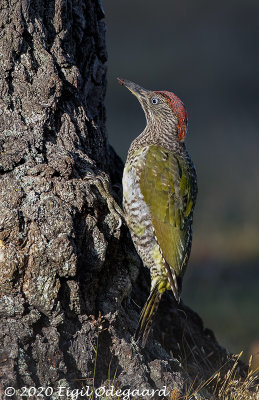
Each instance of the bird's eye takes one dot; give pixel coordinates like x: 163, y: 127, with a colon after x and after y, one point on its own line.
x: 154, y: 100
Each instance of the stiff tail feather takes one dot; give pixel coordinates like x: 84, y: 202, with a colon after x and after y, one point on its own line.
x: 147, y: 315
x: 173, y: 282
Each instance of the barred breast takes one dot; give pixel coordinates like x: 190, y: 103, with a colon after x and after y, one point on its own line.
x: 138, y: 215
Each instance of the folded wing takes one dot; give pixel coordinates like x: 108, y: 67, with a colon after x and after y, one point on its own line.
x: 166, y: 184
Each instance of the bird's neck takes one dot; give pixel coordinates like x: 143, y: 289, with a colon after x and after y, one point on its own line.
x: 165, y: 137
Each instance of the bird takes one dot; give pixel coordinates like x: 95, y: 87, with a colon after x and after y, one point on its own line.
x: 159, y: 194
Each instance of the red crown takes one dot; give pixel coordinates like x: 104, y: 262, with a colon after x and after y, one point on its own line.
x: 179, y: 109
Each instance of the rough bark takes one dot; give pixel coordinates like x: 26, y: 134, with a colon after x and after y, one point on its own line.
x: 71, y: 283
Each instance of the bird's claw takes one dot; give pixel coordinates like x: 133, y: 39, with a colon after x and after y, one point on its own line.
x: 101, y: 183
x: 119, y: 224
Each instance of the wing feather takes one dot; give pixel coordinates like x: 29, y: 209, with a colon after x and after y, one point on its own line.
x: 166, y: 184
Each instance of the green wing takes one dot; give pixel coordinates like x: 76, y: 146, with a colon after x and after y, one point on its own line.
x: 166, y: 184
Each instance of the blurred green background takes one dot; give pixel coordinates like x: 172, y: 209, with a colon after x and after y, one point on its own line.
x: 206, y: 53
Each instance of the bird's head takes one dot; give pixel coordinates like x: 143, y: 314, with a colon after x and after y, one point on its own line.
x: 163, y: 110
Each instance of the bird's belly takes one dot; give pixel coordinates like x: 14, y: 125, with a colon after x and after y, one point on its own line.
x: 139, y: 220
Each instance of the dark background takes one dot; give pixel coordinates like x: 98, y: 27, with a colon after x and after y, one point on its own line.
x: 206, y: 53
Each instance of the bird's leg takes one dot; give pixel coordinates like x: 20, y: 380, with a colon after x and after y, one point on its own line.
x: 102, y: 184
x: 114, y: 208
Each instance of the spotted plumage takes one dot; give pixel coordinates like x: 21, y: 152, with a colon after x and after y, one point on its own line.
x: 159, y: 193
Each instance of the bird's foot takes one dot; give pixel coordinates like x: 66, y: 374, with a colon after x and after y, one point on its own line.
x: 101, y: 182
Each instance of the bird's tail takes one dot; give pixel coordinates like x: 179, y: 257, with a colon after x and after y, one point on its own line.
x: 147, y: 315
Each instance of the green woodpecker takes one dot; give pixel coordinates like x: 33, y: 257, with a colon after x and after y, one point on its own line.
x: 159, y: 193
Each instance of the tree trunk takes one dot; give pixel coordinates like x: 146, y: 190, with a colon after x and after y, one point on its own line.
x: 71, y: 283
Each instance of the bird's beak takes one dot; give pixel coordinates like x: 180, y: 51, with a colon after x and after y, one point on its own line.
x: 137, y: 90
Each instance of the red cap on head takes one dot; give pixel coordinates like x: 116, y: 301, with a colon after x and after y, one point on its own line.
x: 178, y: 107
